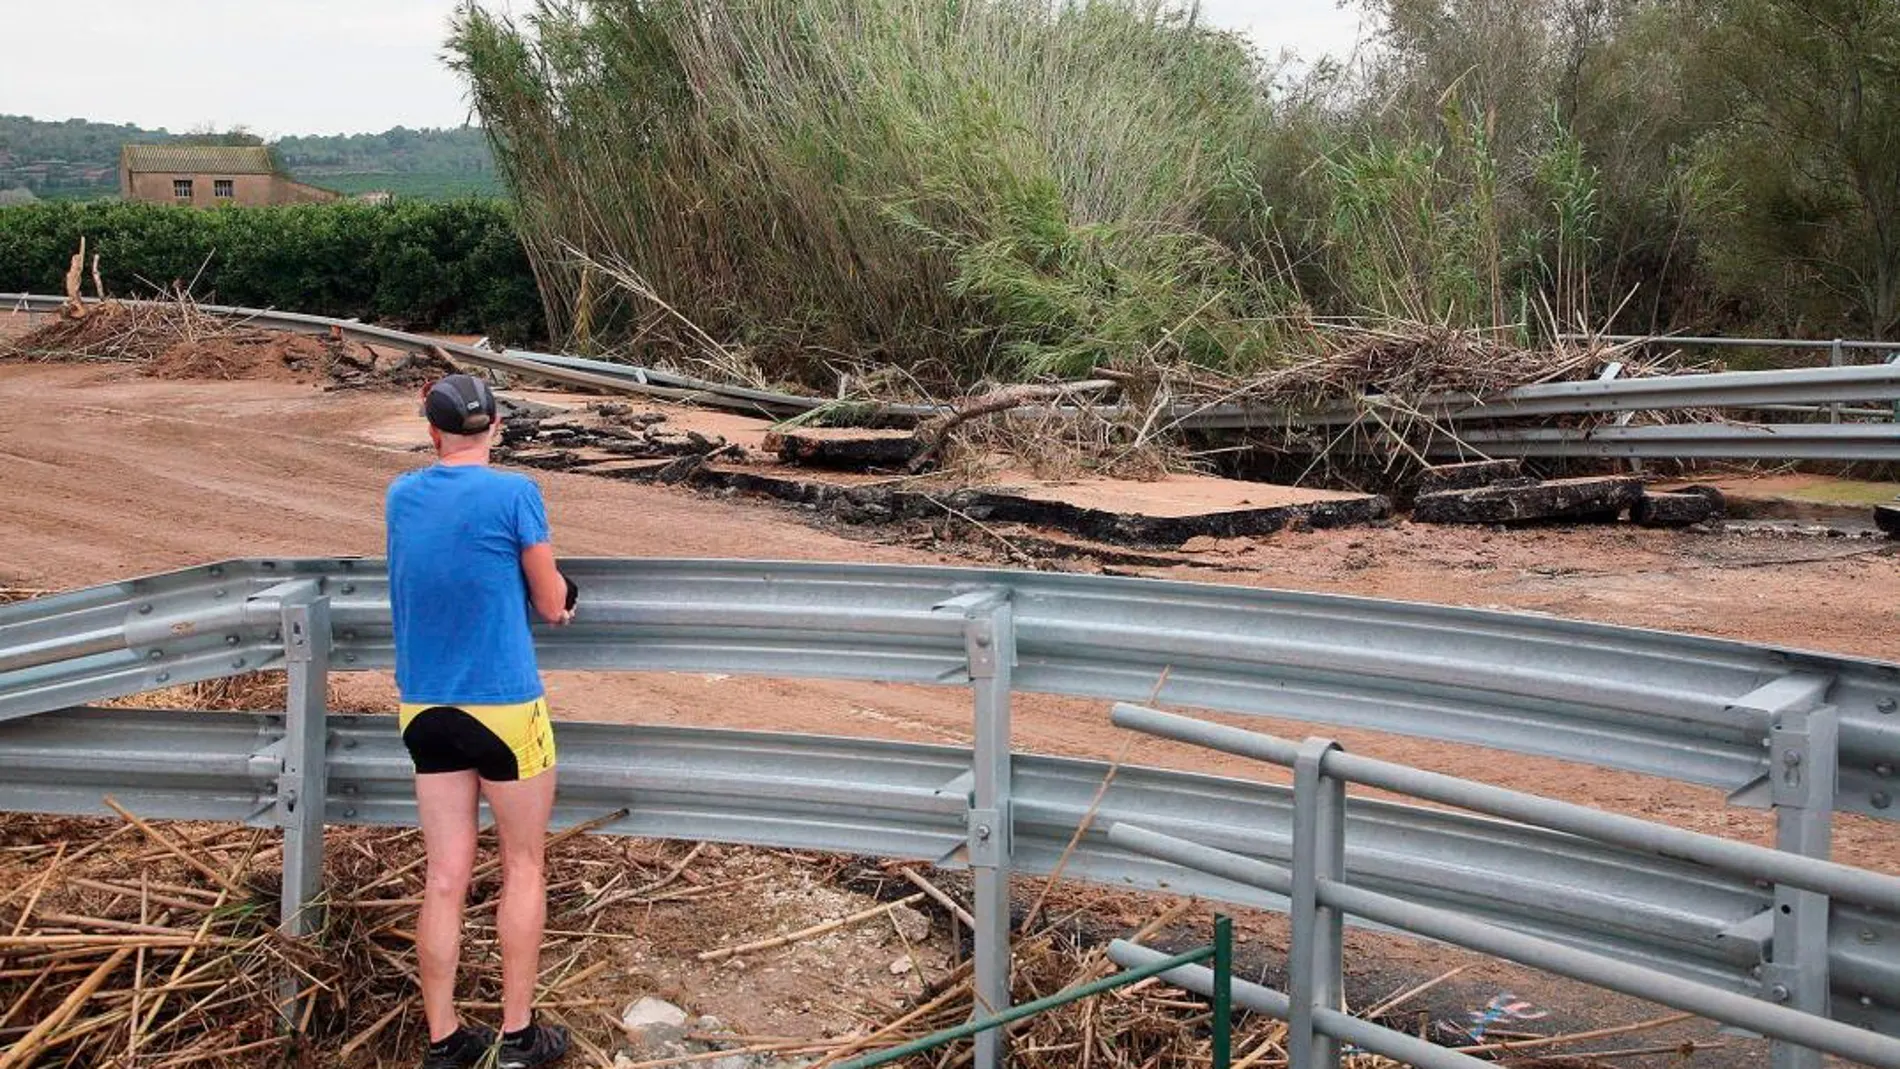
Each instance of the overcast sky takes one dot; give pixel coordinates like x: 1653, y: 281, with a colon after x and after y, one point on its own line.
x: 343, y: 66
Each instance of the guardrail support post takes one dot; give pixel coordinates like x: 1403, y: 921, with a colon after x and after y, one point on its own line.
x: 1836, y: 357
x: 1315, y: 964
x: 302, y: 785
x: 989, y: 639
x: 1803, y: 762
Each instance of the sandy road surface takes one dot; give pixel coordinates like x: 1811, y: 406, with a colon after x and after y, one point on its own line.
x: 108, y: 475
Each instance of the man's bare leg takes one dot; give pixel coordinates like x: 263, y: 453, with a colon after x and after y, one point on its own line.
x: 445, y: 805
x: 521, y: 811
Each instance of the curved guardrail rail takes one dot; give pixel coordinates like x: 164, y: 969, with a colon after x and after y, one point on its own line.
x: 1776, y: 726
x: 1692, y: 709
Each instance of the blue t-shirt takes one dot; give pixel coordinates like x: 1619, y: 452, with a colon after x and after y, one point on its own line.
x: 456, y: 588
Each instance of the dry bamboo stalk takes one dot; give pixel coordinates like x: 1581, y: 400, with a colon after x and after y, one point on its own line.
x: 1514, y: 1046
x: 694, y: 894
x: 161, y: 839
x: 27, y: 1049
x: 1409, y: 994
x: 73, y: 920
x: 580, y: 977
x: 133, y: 1031
x: 375, y: 1029
x: 539, y: 1004
x: 865, y: 1041
x: 600, y: 1057
x: 1081, y: 828
x: 1162, y: 920
x: 1683, y: 1049
x: 938, y: 896
x: 184, y: 893
x: 105, y: 942
x: 39, y: 889
x: 806, y: 933
x: 226, y: 1052
x: 204, y: 928
x: 81, y: 1031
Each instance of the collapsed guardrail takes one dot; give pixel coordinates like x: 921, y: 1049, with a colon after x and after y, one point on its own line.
x: 1782, y: 390
x: 1807, y: 733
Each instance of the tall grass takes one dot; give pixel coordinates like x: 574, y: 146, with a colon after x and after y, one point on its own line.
x: 966, y: 189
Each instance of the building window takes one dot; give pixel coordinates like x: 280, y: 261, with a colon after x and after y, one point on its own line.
x: 221, y: 188
x: 181, y: 188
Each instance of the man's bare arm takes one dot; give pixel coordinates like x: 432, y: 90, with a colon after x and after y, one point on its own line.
x: 547, y: 589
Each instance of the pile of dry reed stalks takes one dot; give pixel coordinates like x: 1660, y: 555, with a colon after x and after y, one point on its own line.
x: 135, y: 944
x: 157, y: 946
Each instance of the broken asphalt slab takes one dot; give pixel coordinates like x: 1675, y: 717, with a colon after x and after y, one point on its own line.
x: 1163, y: 513
x: 1675, y: 509
x: 1591, y: 498
x: 847, y: 448
x: 1470, y: 476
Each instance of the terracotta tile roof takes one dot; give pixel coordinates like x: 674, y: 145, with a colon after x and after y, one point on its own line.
x: 197, y: 159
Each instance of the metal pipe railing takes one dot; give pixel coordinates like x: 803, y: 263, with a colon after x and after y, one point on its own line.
x: 1220, y: 951
x: 1316, y: 882
x: 1756, y: 862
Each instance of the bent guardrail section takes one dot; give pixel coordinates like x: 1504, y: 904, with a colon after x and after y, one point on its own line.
x: 1760, y: 390
x: 1692, y: 709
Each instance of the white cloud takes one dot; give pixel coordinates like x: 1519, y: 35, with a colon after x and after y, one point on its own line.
x: 328, y: 66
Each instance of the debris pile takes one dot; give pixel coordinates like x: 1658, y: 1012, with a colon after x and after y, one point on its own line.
x: 176, y: 340
x: 543, y: 436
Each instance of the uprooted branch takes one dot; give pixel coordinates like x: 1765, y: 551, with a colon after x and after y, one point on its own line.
x: 932, y: 434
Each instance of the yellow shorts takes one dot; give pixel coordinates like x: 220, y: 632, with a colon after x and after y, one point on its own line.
x: 497, y: 742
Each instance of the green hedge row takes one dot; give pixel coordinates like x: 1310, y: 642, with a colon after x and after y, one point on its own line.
x: 456, y: 266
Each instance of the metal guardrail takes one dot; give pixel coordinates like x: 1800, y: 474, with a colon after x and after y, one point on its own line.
x: 567, y: 371
x: 1693, y: 709
x: 902, y: 800
x: 1832, y: 344
x: 1696, y: 709
x: 1322, y: 895
x: 1721, y: 390
x: 1682, y: 441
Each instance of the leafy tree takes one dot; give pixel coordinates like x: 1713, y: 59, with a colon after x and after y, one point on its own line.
x: 1810, y: 151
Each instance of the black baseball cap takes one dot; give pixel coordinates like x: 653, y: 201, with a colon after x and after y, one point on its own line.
x: 460, y: 404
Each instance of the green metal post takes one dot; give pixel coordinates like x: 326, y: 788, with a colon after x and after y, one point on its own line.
x: 1028, y: 1009
x: 1223, y: 991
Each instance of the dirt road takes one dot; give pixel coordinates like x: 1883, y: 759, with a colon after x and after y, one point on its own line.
x: 109, y: 475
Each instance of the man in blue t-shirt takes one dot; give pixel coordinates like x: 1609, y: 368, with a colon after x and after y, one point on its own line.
x: 469, y: 556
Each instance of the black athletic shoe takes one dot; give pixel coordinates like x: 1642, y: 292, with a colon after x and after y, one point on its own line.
x: 464, y: 1049
x: 543, y: 1045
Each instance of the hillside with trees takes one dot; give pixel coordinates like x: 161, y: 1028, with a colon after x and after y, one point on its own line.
x: 78, y: 160
x: 1010, y: 189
